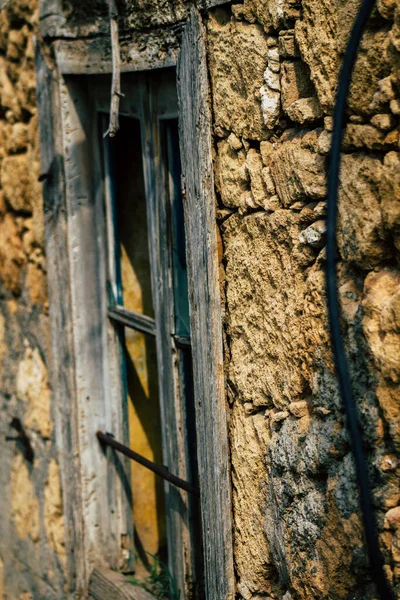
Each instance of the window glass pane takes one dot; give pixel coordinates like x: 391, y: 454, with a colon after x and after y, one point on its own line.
x: 178, y: 241
x: 145, y: 438
x: 131, y: 218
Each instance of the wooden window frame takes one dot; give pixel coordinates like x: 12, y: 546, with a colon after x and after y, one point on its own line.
x: 93, y: 484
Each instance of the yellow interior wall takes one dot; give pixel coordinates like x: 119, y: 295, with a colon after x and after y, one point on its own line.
x: 140, y: 350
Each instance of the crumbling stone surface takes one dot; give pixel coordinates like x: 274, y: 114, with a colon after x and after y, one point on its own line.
x: 25, y: 505
x: 31, y: 525
x: 361, y: 237
x: 297, y: 525
x: 233, y: 47
x: 33, y: 389
x: 298, y: 173
x: 252, y: 284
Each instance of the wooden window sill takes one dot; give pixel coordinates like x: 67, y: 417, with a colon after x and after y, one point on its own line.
x: 106, y: 584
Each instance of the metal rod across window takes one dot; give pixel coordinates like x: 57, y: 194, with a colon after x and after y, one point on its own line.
x: 162, y: 472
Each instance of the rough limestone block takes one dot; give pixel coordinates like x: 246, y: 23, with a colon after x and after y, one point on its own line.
x: 33, y: 389
x: 24, y: 502
x: 270, y: 106
x: 372, y: 65
x: 272, y: 79
x: 274, y: 60
x: 314, y: 235
x: 17, y: 138
x: 235, y: 87
x: 287, y: 44
x: 384, y: 122
x: 231, y: 175
x: 305, y: 111
x: 254, y: 168
x: 295, y: 83
x: 358, y: 137
x: 381, y: 326
x: 265, y: 274
x: 12, y: 256
x: 389, y: 192
x: 8, y: 93
x: 283, y: 12
x: 253, y: 559
x: 318, y: 46
x: 298, y: 174
x: 384, y: 94
x: 386, y: 8
x: 268, y: 181
x: 256, y: 11
x: 361, y: 234
x: 16, y: 182
x: 321, y: 46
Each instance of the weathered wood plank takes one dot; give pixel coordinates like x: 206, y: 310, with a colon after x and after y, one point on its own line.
x: 171, y: 412
x: 62, y: 368
x: 93, y: 55
x: 102, y: 482
x: 109, y: 585
x: 96, y: 496
x: 206, y: 322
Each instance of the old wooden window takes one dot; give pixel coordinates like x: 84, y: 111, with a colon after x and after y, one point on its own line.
x: 148, y: 306
x: 119, y: 310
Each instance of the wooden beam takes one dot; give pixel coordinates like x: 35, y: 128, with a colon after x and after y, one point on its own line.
x: 110, y: 585
x: 96, y: 492
x: 62, y: 370
x: 105, y: 491
x: 133, y: 320
x: 93, y: 56
x: 205, y: 306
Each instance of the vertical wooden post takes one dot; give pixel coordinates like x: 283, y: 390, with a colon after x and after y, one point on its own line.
x: 206, y: 321
x: 62, y: 369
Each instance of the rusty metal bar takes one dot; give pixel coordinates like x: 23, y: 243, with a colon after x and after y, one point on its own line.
x: 157, y: 469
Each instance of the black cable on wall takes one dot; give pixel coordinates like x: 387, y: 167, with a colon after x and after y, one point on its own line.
x: 370, y: 528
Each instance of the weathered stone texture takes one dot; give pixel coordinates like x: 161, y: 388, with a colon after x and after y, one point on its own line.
x: 381, y: 325
x: 238, y: 56
x: 275, y: 279
x: 25, y: 505
x: 298, y: 173
x: 361, y: 236
x: 297, y: 527
x: 31, y: 524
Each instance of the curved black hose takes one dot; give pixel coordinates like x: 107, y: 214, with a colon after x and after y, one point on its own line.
x: 355, y: 432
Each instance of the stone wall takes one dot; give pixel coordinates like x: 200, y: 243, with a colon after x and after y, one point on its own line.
x: 273, y: 68
x: 32, y: 550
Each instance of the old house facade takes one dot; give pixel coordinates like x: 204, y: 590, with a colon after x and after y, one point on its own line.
x: 166, y: 286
